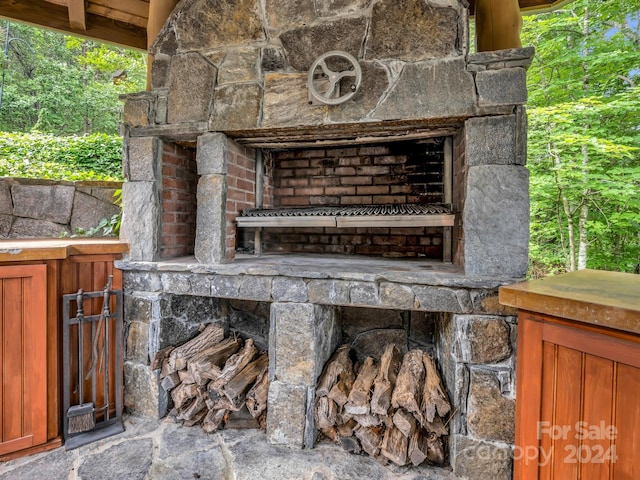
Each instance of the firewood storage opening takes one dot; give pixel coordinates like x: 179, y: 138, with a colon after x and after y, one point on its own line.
x: 218, y: 378
x: 391, y: 199
x: 380, y: 393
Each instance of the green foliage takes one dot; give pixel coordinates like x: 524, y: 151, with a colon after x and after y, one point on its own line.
x: 584, y: 137
x: 37, y: 155
x: 64, y: 85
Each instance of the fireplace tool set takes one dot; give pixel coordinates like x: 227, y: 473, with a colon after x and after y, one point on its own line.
x: 92, y: 367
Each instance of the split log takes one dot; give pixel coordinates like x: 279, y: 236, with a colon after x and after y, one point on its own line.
x: 166, y: 368
x: 437, y: 427
x: 367, y: 420
x: 434, y: 398
x: 340, y: 391
x: 223, y: 403
x: 435, y: 450
x: 160, y: 356
x: 370, y: 440
x: 194, y: 408
x: 418, y: 448
x: 405, y: 422
x: 385, y: 382
x: 330, y: 433
x: 409, y: 385
x: 394, y: 446
x: 358, y: 401
x: 338, y: 365
x: 202, y: 363
x: 186, y: 377
x: 170, y: 381
x: 236, y: 387
x: 183, y: 393
x: 234, y: 365
x: 213, y: 420
x: 196, y: 418
x: 347, y: 429
x: 257, y: 395
x: 211, y: 335
x: 326, y: 413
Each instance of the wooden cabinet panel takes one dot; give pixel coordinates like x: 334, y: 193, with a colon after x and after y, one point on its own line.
x: 585, y: 423
x: 69, y: 265
x: 627, y: 408
x: 23, y: 351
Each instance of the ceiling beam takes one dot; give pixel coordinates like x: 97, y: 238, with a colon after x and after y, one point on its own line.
x: 77, y: 15
x: 56, y: 17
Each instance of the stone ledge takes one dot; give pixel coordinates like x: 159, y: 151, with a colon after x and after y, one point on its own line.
x: 420, y: 291
x: 502, y: 58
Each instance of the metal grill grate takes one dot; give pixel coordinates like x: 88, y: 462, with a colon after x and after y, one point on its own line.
x: 350, y: 211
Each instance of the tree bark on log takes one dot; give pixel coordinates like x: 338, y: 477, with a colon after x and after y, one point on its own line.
x: 358, y: 400
x: 339, y: 365
x: 211, y: 335
x: 434, y: 398
x: 385, y: 382
x: 408, y: 391
x: 257, y: 395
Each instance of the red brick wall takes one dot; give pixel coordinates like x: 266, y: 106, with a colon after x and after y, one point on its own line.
x: 241, y: 189
x: 399, y: 172
x: 179, y: 183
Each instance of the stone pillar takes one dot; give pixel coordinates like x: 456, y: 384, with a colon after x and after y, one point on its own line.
x: 496, y: 209
x: 478, y: 363
x: 302, y: 337
x: 142, y: 392
x: 212, y: 159
x: 141, y: 219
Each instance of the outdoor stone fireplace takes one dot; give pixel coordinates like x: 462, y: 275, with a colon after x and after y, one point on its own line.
x: 229, y: 127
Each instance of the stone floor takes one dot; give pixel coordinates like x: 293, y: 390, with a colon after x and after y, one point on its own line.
x: 159, y: 450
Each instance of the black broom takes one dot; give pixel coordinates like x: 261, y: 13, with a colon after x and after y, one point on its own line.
x: 81, y: 418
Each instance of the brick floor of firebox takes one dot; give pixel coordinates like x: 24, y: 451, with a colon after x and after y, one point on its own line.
x: 157, y: 450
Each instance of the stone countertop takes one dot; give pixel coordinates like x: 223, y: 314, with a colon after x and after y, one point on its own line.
x: 606, y: 299
x: 335, y: 267
x: 53, y: 249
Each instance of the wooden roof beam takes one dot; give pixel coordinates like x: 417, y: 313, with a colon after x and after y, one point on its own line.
x: 77, y: 14
x: 56, y: 17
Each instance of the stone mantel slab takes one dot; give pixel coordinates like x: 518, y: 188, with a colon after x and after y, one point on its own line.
x: 397, y: 284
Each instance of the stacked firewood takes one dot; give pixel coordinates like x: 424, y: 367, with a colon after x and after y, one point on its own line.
x: 395, y: 410
x: 212, y: 379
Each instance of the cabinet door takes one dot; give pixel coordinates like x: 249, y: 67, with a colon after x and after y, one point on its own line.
x: 578, y: 414
x: 23, y: 357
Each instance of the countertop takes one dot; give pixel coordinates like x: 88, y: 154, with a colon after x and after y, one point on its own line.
x: 607, y: 299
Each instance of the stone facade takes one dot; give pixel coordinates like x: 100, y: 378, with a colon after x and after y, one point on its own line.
x: 230, y: 82
x: 50, y: 209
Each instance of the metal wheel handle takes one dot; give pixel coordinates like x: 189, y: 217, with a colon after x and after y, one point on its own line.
x: 331, y: 95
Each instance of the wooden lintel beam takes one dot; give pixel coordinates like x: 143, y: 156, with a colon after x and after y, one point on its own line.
x: 56, y: 17
x: 77, y: 14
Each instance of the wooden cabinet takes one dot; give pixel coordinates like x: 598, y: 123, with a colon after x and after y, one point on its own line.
x: 578, y: 376
x: 33, y: 277
x: 23, y: 341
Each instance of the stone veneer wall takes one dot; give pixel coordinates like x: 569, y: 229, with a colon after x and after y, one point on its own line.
x: 52, y: 208
x: 244, y: 73
x: 303, y: 317
x: 234, y: 71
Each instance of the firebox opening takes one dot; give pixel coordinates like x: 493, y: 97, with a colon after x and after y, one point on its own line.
x: 388, y: 200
